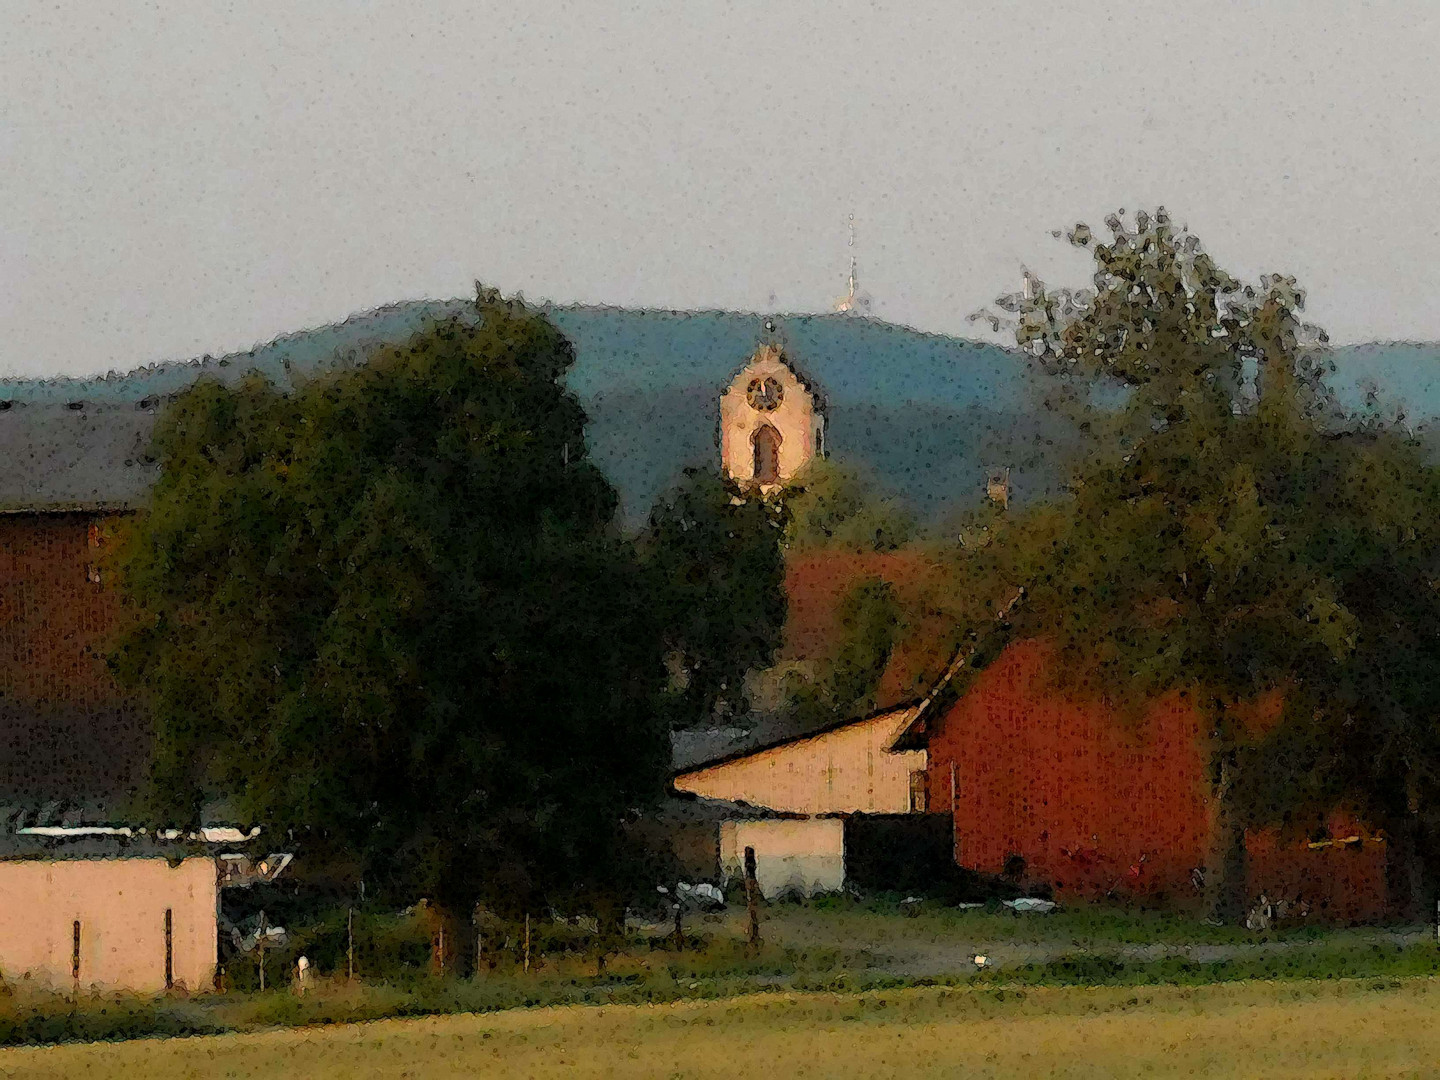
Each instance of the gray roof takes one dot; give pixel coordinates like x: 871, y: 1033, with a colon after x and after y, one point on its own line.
x: 79, y: 456
x: 696, y: 748
x: 15, y: 844
x: 699, y: 745
x: 683, y: 808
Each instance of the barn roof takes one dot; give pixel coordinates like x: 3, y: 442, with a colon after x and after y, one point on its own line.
x: 76, y: 456
x: 687, y: 807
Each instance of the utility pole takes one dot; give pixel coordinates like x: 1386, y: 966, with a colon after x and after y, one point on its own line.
x: 75, y: 958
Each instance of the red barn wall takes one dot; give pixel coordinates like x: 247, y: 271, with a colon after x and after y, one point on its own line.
x: 1100, y: 806
x: 1089, y: 803
x: 1342, y: 882
x: 67, y: 731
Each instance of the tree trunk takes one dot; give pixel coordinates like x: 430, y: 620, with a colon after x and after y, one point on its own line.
x: 1404, y: 871
x: 1225, y: 868
x: 453, y: 941
x: 610, y: 927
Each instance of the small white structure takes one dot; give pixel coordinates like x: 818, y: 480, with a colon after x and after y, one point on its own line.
x: 805, y: 856
x: 799, y: 789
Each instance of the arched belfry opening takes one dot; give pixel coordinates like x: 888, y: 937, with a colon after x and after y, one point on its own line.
x: 767, y: 454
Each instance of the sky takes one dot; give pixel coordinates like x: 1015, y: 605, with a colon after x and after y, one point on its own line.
x: 188, y: 178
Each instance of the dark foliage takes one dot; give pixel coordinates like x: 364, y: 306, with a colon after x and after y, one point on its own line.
x: 715, y: 558
x: 388, y: 614
x: 1230, y: 534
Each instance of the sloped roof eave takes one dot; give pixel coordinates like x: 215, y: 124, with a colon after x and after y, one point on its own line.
x: 790, y: 740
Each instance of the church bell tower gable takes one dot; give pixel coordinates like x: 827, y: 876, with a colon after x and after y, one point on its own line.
x: 771, y: 423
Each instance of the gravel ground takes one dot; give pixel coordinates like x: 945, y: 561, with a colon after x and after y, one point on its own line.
x: 921, y: 947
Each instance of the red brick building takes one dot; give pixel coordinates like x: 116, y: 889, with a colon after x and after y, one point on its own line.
x: 1097, y: 805
x: 70, y: 739
x: 68, y: 734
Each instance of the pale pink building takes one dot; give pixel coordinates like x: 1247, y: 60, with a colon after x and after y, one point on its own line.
x: 143, y: 924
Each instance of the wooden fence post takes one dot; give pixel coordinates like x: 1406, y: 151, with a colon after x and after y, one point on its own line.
x: 260, y: 950
x: 527, y: 942
x: 169, y: 948
x: 752, y: 898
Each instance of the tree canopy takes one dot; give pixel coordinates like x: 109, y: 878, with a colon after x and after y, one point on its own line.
x: 1229, y: 533
x: 389, y: 614
x: 834, y: 505
x: 719, y: 578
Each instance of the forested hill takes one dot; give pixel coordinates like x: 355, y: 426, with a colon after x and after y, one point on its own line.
x: 926, y: 413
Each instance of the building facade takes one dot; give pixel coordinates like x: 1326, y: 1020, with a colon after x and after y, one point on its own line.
x: 772, y: 423
x: 842, y: 769
x: 1071, y: 795
x: 68, y: 732
x: 808, y: 785
x: 139, y: 924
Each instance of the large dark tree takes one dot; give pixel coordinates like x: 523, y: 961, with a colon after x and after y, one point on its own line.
x: 389, y: 614
x: 1228, y: 535
x: 1363, y: 730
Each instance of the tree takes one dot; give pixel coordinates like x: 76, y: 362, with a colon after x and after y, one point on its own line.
x: 834, y: 505
x: 842, y: 680
x: 1363, y: 731
x: 718, y: 574
x: 390, y: 615
x: 870, y: 615
x: 1201, y: 549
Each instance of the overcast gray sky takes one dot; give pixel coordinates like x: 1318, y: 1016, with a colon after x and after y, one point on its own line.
x: 181, y: 178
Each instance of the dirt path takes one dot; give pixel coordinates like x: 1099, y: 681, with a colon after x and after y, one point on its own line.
x: 931, y: 947
x: 937, y: 956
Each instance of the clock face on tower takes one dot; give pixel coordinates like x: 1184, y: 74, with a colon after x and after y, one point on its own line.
x: 764, y: 394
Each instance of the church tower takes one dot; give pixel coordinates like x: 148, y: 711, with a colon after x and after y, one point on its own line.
x: 772, y: 422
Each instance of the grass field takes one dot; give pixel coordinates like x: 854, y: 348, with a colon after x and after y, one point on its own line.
x: 1286, y: 1029
x: 821, y: 947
